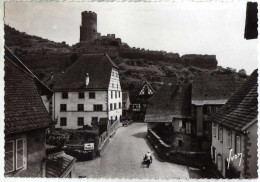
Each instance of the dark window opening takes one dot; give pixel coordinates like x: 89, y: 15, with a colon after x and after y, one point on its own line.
x: 64, y: 95
x: 98, y: 107
x: 81, y: 95
x: 80, y: 107
x: 92, y: 95
x: 80, y: 121
x: 63, y: 107
x: 63, y: 121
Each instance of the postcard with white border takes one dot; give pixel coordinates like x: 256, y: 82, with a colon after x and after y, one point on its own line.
x: 130, y: 90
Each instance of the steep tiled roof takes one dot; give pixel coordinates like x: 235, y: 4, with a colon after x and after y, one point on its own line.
x: 98, y: 66
x: 242, y: 107
x: 24, y: 109
x: 9, y: 55
x: 171, y: 100
x: 216, y: 88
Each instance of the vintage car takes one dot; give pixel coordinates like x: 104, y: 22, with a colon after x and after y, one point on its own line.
x: 126, y: 121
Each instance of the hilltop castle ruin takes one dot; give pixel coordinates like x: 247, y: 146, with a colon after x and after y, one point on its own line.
x: 88, y: 28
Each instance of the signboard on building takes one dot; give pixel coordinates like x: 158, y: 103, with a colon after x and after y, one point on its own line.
x: 89, y: 146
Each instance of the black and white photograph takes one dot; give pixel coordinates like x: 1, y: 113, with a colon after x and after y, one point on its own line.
x: 130, y: 90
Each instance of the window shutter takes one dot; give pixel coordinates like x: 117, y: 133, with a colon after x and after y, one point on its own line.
x: 229, y: 143
x: 214, y: 129
x: 9, y: 156
x: 237, y: 144
x: 19, y: 153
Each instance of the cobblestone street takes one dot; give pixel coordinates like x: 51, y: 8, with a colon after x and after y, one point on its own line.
x: 123, y: 156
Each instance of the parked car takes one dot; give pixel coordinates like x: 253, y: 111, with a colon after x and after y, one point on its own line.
x: 126, y: 121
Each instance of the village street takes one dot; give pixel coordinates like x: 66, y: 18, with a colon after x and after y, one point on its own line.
x: 123, y: 155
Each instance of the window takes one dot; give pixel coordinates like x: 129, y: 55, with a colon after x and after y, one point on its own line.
x: 229, y: 139
x: 64, y: 95
x: 214, y: 129
x: 124, y: 104
x: 63, y: 107
x: 238, y: 148
x: 63, y: 121
x: 114, y: 105
x: 119, y: 105
x: 217, y: 108
x: 80, y: 121
x: 136, y: 107
x: 115, y: 94
x: 118, y: 94
x: 14, y: 155
x: 220, y: 133
x: 188, y: 128
x: 117, y: 86
x: 19, y: 153
x: 81, y: 95
x: 92, y: 95
x: 208, y: 110
x: 213, y: 110
x: 112, y: 85
x: 111, y: 106
x: 214, y: 154
x: 80, y: 107
x: 98, y: 107
x: 180, y: 143
x: 111, y: 94
x: 94, y: 120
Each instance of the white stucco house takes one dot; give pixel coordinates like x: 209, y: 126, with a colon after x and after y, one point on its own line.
x: 87, y: 92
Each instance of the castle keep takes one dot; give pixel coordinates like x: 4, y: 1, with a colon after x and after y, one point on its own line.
x: 88, y: 28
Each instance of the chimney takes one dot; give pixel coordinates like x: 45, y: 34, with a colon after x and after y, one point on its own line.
x: 87, y: 79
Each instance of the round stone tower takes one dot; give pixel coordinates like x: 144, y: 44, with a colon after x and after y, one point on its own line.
x: 88, y: 28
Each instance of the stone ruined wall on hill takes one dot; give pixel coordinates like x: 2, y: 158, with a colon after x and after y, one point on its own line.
x: 133, y: 53
x: 200, y: 61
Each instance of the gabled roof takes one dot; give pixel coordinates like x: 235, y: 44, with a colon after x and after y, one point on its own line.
x: 98, y: 66
x: 242, y: 107
x: 136, y: 92
x: 148, y: 85
x: 24, y: 109
x: 213, y: 89
x: 172, y: 100
x: 44, y: 90
x: 57, y: 165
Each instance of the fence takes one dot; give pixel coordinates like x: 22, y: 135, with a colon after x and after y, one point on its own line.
x: 107, y: 134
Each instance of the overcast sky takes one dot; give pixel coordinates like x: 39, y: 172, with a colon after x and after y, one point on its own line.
x: 184, y: 28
